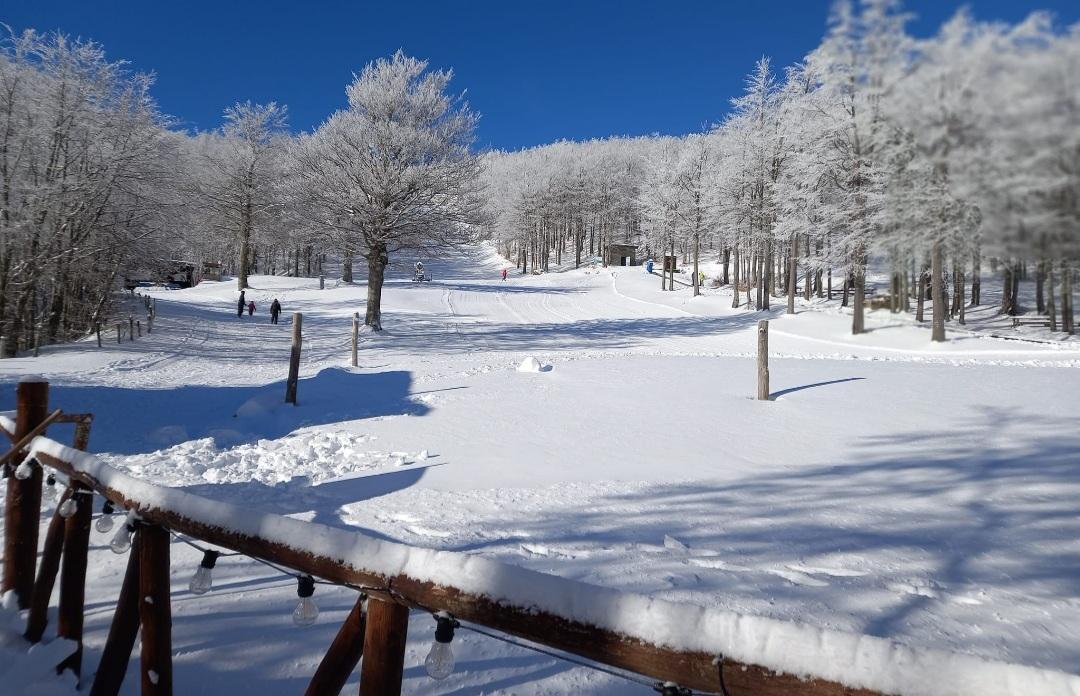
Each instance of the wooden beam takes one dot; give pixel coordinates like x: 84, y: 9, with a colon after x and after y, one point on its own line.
x: 122, y: 632
x: 384, y: 648
x: 22, y: 511
x: 155, y: 613
x: 695, y: 670
x: 46, y: 576
x: 342, y: 657
x: 69, y: 623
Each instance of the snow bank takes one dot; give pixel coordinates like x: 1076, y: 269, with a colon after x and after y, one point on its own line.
x: 531, y: 364
x: 30, y: 669
x: 855, y: 660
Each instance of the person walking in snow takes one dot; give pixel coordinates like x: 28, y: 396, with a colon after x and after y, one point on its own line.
x: 504, y: 274
x: 251, y: 309
x: 240, y: 306
x: 275, y: 310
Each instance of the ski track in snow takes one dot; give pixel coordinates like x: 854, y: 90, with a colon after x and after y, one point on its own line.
x: 922, y: 493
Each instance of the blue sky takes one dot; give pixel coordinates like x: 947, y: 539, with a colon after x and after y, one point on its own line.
x: 536, y: 71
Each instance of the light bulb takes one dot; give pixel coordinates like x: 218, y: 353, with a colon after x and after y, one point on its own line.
x: 121, y: 542
x: 439, y: 662
x: 104, y: 524
x: 306, y: 611
x: 23, y: 471
x: 67, y: 508
x: 203, y: 579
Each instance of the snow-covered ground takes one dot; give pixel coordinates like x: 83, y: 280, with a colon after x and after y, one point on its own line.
x: 925, y: 493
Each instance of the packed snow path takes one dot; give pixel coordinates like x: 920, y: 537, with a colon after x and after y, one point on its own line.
x: 924, y: 493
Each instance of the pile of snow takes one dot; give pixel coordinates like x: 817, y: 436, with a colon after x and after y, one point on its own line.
x: 317, y: 455
x: 30, y: 669
x: 531, y: 364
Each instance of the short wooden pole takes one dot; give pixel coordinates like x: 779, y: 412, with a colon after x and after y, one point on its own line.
x: 355, y: 337
x: 294, y: 358
x: 73, y: 576
x: 322, y: 282
x: 763, y: 360
x: 122, y: 632
x: 46, y: 576
x: 138, y: 328
x: 118, y: 331
x: 384, y: 648
x: 97, y: 330
x: 155, y: 614
x: 22, y: 511
x: 131, y: 328
x: 344, y: 654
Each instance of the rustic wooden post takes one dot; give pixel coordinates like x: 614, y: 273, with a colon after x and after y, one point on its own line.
x: 118, y: 330
x: 384, y: 648
x: 131, y: 328
x: 122, y: 632
x: 294, y: 359
x: 355, y: 337
x: 46, y: 577
x: 22, y: 511
x: 73, y: 575
x: 344, y: 653
x: 322, y: 282
x: 155, y: 614
x: 763, y: 360
x: 97, y: 330
x: 138, y: 327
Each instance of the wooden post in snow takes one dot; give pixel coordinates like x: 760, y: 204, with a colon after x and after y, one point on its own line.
x: 155, y: 614
x: 46, y: 577
x: 22, y: 511
x: 322, y: 282
x: 355, y: 337
x: 118, y: 331
x: 138, y: 327
x: 763, y: 360
x: 73, y: 575
x: 97, y: 330
x: 131, y: 328
x: 384, y: 648
x: 124, y: 628
x: 294, y: 359
x: 344, y: 654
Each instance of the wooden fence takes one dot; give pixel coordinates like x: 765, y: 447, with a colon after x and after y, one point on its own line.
x: 375, y: 630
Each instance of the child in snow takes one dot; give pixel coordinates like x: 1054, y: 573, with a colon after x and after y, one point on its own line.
x: 504, y: 274
x: 275, y: 310
x: 251, y: 308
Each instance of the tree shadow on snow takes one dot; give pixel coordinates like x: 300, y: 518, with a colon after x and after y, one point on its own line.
x: 132, y: 421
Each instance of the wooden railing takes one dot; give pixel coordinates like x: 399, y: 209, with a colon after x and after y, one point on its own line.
x: 390, y: 577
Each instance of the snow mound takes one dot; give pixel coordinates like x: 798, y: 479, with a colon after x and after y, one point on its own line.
x: 531, y: 364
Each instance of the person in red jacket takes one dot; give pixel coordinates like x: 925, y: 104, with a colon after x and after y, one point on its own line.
x: 504, y: 274
x: 251, y: 308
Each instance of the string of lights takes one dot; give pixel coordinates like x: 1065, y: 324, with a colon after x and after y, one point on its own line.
x: 440, y: 661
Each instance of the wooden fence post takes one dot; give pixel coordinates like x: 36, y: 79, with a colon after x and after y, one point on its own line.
x: 46, y: 577
x: 69, y: 623
x: 322, y: 282
x: 138, y: 327
x: 344, y: 653
x: 118, y: 325
x: 22, y: 511
x: 294, y: 358
x: 763, y: 360
x: 97, y: 330
x: 155, y: 614
x: 122, y: 632
x: 384, y: 648
x: 131, y: 328
x: 355, y: 336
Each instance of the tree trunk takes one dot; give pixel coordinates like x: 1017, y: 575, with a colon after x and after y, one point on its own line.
x: 1067, y: 324
x: 976, y: 283
x: 1051, y: 310
x: 938, y: 325
x: 377, y: 260
x: 697, y: 253
x: 346, y: 266
x: 737, y: 267
x: 858, y: 320
x: 793, y: 273
x: 1040, y: 278
x: 727, y: 263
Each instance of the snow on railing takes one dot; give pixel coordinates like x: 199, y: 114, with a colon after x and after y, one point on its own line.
x: 667, y: 640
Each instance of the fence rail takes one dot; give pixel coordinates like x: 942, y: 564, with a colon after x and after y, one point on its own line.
x: 582, y: 621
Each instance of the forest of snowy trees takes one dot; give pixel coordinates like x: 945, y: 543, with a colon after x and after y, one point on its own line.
x: 940, y: 159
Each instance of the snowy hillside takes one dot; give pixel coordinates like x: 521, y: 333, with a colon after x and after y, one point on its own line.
x: 922, y: 493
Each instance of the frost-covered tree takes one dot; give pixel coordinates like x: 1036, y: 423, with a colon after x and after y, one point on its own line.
x: 394, y: 171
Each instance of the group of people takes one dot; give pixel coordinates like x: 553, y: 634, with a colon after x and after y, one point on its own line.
x: 243, y: 305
